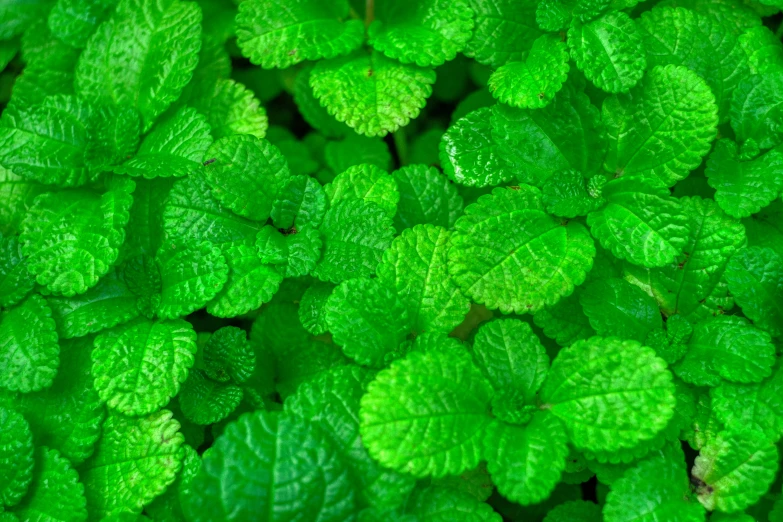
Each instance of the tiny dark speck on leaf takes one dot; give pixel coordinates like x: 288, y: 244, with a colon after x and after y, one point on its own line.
x: 210, y: 161
x: 370, y: 73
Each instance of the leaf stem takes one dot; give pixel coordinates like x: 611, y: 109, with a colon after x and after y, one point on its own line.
x: 369, y: 12
x: 401, y: 144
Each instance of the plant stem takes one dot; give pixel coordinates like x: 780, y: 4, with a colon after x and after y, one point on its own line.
x: 369, y: 12
x: 401, y: 144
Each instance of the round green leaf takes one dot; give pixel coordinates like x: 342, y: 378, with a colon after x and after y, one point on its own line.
x: 15, y: 280
x: 610, y: 394
x: 312, y: 307
x: 228, y: 356
x: 750, y: 406
x: 204, y: 401
x: 365, y: 182
x: 507, y: 253
x: 16, y: 456
x: 755, y: 279
x: 615, y: 307
x: 55, y: 495
x: 426, y: 196
x: 138, y: 367
x: 504, y: 30
x: 302, y: 202
x: 250, y: 283
x: 231, y: 108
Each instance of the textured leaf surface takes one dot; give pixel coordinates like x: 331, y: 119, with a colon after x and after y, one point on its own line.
x: 568, y: 194
x: 751, y: 406
x: 533, y: 83
x: 564, y: 135
x: 414, y: 266
x: 662, y: 127
x: 228, y: 356
x: 755, y: 279
x: 368, y: 320
x: 565, y: 322
x: 756, y: 110
x: 610, y: 394
x: 507, y: 253
x: 704, y: 44
x: 694, y: 287
x: 232, y: 109
x: 301, y: 202
x: 427, y: 33
x: 204, y: 401
x: 138, y: 367
x: 365, y: 182
x: 727, y: 347
x: 190, y: 277
x: 468, y: 154
x: 280, y: 34
x: 355, y: 234
x: 504, y: 30
x: 426, y: 196
x: 284, y: 463
x: 134, y: 462
x: 617, y: 308
x: 55, y: 495
x: 736, y: 469
x: 371, y: 93
x: 292, y: 255
x: 511, y: 357
x: 143, y: 55
x: 741, y: 187
x: 73, y: 21
x: 175, y: 147
x: 16, y: 456
x: 641, y: 223
x: 72, y: 238
x: 526, y: 463
x: 16, y: 194
x: 415, y: 420
x: 247, y: 174
x: 15, y: 280
x: 312, y: 307
x: 609, y: 51
x: 29, y: 353
x: 250, y: 283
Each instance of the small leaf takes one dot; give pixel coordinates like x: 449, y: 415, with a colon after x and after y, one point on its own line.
x: 228, y: 356
x: 426, y: 196
x: 372, y: 94
x: 365, y: 182
x: 756, y: 112
x: 250, y: 283
x: 16, y: 456
x: 504, y: 30
x: 15, y: 280
x: 301, y: 203
x: 312, y: 307
x: 204, y: 401
x: 618, y: 308
x: 231, y: 108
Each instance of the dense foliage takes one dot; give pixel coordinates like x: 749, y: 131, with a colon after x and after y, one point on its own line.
x: 391, y: 261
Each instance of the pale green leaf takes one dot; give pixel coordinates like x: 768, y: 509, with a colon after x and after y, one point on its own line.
x: 231, y: 108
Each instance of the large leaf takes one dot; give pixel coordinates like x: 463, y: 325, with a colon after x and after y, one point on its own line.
x: 55, y: 495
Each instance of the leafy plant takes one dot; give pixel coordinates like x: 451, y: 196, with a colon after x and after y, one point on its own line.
x: 392, y: 260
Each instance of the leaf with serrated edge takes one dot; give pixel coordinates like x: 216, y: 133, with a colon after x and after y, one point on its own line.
x: 426, y: 196
x: 15, y: 280
x: 227, y: 355
x: 616, y: 307
x: 366, y: 182
x: 16, y: 456
x: 504, y: 30
x: 232, y: 109
x: 55, y: 493
x: 190, y: 277
x: 250, y: 284
x: 301, y: 202
x: 755, y: 279
x: 750, y: 406
x: 204, y: 401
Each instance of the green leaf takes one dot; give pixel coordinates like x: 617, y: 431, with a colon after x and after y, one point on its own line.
x: 507, y: 253
x: 533, y: 83
x: 365, y: 182
x: 756, y: 112
x: 504, y: 30
x: 705, y: 45
x: 575, y: 511
x: 191, y: 213
x: 190, y: 277
x: 55, y: 495
x: 276, y: 34
x: 16, y: 456
x: 368, y: 320
x: 427, y: 33
x: 18, y: 15
x: 302, y: 202
x: 72, y: 238
x: 415, y: 267
x: 640, y: 223
x: 231, y: 108
x: 16, y: 195
x: 655, y: 489
x: 741, y: 187
x: 228, y: 356
x: 246, y: 175
x: 114, y: 136
x: 511, y: 357
x: 662, y: 128
x: 565, y: 322
x: 168, y: 506
x: 138, y: 367
x: 312, y: 111
x: 285, y: 464
x: 68, y: 415
x: 142, y: 277
x: 148, y: 449
x: 440, y: 504
x: 762, y: 48
x: 371, y: 93
x: 312, y: 307
x: 292, y: 255
x: 694, y: 286
x: 417, y: 420
x: 107, y: 304
x: 356, y: 149
x: 610, y: 394
x: 735, y: 470
x: 726, y: 347
x: 751, y: 406
x: 526, y: 463
x: 74, y: 21
x: 568, y: 194
x: 609, y: 51
x: 204, y: 401
x: 331, y: 402
x: 616, y: 307
x: 426, y: 196
x: 29, y: 353
x: 144, y: 231
x: 143, y: 55
x: 249, y: 285
x: 175, y: 147
x: 15, y: 281
x: 468, y: 154
x: 755, y: 279
x: 535, y: 144
x: 355, y: 234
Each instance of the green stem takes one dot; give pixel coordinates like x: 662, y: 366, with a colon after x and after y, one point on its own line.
x: 369, y: 12
x: 401, y: 144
